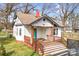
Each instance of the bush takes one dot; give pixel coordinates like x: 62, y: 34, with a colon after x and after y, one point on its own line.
x: 2, y: 50
x: 10, y: 35
x: 1, y: 29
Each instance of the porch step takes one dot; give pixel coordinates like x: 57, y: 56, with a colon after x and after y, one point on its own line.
x: 51, y: 43
x: 55, y: 49
x: 63, y: 52
x: 52, y: 47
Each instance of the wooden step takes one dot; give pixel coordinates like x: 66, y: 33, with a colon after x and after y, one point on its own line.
x: 53, y: 50
x: 63, y: 54
x: 58, y: 52
x: 50, y: 43
x: 56, y: 46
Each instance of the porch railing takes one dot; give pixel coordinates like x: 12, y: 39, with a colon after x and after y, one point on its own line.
x: 39, y: 47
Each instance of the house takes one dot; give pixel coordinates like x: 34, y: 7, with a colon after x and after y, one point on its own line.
x: 28, y: 28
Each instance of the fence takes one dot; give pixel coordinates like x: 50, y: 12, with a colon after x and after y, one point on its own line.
x: 69, y: 35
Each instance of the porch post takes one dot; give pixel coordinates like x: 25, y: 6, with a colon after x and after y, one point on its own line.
x: 53, y: 28
x: 34, y: 41
x: 32, y: 34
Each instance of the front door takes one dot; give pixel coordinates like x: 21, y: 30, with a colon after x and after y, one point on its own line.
x: 35, y: 38
x: 35, y: 34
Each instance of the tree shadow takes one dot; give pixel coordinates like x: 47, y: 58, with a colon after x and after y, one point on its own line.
x: 33, y: 53
x: 10, y: 53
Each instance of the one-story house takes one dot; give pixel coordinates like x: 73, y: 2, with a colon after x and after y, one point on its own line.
x: 28, y: 28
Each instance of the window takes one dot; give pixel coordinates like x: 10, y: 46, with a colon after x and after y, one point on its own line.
x: 43, y: 19
x: 20, y: 32
x: 56, y: 31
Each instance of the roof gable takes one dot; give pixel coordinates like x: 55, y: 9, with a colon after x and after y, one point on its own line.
x: 51, y: 20
x: 43, y: 22
x: 17, y: 21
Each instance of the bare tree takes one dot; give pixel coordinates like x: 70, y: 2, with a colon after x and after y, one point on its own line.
x: 48, y: 8
x: 5, y: 12
x: 75, y: 22
x: 29, y: 8
x: 65, y: 11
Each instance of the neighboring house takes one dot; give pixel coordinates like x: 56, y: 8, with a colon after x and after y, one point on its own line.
x: 28, y: 28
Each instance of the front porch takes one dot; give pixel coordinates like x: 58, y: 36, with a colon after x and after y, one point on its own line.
x: 50, y: 48
x: 46, y: 38
x: 47, y: 33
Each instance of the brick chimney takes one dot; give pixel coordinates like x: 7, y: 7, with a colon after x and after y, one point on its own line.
x: 37, y: 13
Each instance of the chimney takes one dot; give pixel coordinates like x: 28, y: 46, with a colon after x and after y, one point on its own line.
x: 37, y: 13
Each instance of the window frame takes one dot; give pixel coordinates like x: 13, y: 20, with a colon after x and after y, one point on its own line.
x: 56, y: 31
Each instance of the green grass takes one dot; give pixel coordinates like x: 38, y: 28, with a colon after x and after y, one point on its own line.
x: 18, y: 49
x: 3, y: 33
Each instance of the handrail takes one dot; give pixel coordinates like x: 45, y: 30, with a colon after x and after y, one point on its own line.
x: 40, y: 46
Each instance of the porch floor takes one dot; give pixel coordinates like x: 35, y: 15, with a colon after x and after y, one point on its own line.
x: 54, y: 48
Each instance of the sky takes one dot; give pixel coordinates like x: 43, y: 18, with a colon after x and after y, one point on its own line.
x: 41, y: 4
x: 54, y: 6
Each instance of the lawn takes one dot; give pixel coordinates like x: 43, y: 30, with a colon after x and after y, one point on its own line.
x: 3, y: 33
x: 17, y: 49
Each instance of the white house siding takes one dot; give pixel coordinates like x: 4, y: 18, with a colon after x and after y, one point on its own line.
x: 16, y: 33
x: 41, y: 33
x: 42, y: 28
x: 59, y: 32
x: 27, y: 32
x: 42, y: 23
x: 20, y: 37
x: 17, y: 21
x: 16, y: 30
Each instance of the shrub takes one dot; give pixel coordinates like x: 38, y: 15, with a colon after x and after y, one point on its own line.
x: 9, y: 35
x: 2, y: 50
x: 1, y: 29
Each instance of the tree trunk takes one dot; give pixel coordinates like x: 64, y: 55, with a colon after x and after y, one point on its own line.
x: 64, y: 25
